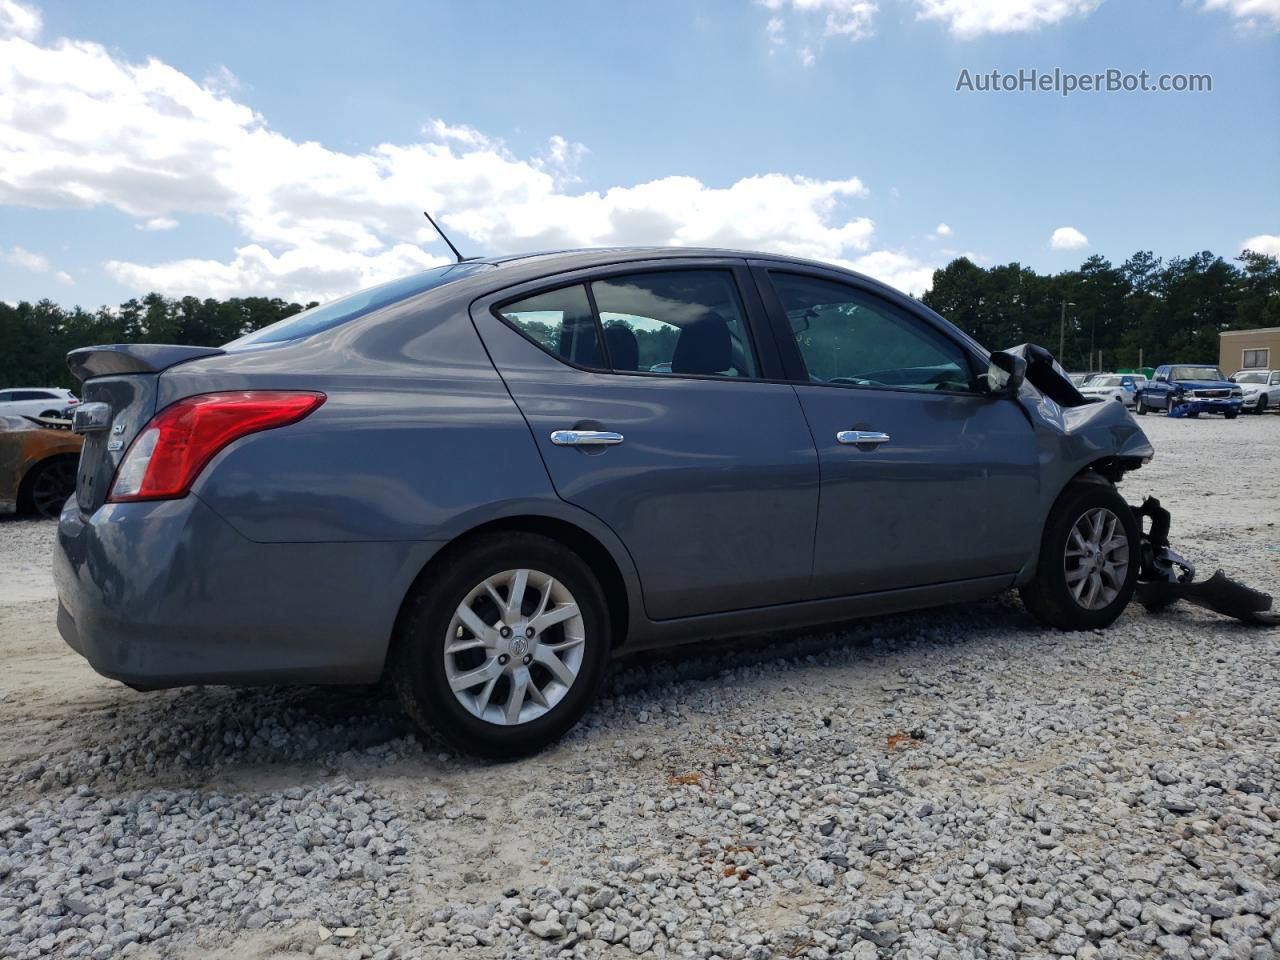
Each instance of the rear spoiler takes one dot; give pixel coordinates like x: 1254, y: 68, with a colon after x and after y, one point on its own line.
x: 117, y: 358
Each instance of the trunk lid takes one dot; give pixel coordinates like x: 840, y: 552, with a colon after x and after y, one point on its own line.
x: 118, y: 398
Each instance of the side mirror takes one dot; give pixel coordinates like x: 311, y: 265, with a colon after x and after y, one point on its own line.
x: 1005, y: 374
x: 1161, y: 378
x: 1231, y: 379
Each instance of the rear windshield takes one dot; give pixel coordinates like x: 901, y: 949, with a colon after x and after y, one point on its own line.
x: 329, y: 315
x: 1196, y: 373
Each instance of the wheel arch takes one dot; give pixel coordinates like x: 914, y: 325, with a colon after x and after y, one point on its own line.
x: 1106, y: 471
x: 619, y: 593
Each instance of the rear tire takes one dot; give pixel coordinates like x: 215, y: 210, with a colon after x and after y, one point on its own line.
x: 47, y: 486
x: 1077, y: 587
x: 436, y: 650
x: 1141, y: 408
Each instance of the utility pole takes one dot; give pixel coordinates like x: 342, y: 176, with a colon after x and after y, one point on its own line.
x: 1062, y: 332
x: 1093, y: 326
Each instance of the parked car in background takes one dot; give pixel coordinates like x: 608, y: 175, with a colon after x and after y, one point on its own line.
x: 1079, y: 379
x: 34, y: 401
x: 37, y: 466
x: 484, y: 480
x: 1123, y: 387
x: 1190, y: 389
x: 1261, y: 390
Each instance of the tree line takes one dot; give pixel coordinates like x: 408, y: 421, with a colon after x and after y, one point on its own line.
x: 1149, y: 308
x: 1159, y: 311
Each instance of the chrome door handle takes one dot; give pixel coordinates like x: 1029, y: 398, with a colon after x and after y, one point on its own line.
x: 585, y: 438
x: 862, y: 436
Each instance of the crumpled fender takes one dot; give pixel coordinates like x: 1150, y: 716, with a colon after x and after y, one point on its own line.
x: 1073, y: 432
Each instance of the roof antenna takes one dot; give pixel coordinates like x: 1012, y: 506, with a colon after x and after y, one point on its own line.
x: 460, y: 257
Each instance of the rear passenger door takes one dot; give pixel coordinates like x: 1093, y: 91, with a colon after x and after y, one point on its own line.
x: 925, y: 479
x: 647, y: 390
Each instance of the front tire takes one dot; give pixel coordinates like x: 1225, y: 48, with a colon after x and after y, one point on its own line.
x: 1142, y: 408
x: 1232, y: 415
x: 503, y: 652
x: 1088, y: 565
x: 1261, y: 408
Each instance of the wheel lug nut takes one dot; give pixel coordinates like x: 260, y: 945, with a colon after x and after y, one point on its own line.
x: 504, y: 632
x: 530, y: 632
x: 502, y: 660
x: 528, y: 660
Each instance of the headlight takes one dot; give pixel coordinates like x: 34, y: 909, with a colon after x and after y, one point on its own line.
x: 1237, y: 392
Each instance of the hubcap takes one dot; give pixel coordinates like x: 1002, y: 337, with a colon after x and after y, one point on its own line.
x: 1096, y: 559
x: 514, y: 647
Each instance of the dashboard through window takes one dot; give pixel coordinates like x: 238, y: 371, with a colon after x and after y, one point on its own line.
x: 850, y: 338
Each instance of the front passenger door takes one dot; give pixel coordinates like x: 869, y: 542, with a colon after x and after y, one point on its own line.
x: 925, y: 480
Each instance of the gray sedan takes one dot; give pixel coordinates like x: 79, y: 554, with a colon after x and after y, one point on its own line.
x: 485, y: 480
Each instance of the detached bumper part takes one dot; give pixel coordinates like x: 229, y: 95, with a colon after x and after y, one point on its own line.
x: 1205, y: 405
x: 1164, y: 577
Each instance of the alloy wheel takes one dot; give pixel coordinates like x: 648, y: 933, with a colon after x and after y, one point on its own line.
x: 514, y: 647
x: 1096, y: 559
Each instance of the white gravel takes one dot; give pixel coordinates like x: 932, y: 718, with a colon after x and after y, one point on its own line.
x: 951, y: 784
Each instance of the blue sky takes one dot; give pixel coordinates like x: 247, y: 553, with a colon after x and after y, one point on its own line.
x: 260, y: 148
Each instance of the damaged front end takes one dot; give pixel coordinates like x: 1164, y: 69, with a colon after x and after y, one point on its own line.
x: 1104, y: 434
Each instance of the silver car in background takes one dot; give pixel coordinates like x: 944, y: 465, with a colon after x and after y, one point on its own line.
x: 1261, y: 390
x: 1123, y: 387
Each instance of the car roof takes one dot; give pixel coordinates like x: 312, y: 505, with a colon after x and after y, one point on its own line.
x: 555, y: 261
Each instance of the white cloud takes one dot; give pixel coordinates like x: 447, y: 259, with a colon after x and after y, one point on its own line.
x: 19, y: 20
x: 1249, y: 13
x: 819, y: 20
x: 943, y: 230
x: 80, y: 128
x: 1268, y: 243
x: 25, y: 259
x: 63, y: 278
x: 899, y: 270
x: 1068, y: 238
x: 971, y: 18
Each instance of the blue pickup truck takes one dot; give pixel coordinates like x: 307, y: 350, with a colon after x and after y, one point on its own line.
x: 1188, y: 390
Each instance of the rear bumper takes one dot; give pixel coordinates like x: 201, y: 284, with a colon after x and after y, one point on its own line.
x: 167, y: 594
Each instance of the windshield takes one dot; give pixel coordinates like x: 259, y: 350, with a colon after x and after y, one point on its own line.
x: 1251, y: 377
x: 1105, y: 382
x: 335, y: 312
x: 1196, y: 373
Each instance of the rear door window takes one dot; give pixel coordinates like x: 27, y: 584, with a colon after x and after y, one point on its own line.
x: 688, y: 322
x: 560, y: 322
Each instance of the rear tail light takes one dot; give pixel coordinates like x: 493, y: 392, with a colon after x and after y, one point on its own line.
x: 179, y: 441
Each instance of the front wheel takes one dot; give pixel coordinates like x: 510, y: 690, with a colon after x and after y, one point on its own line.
x: 1088, y: 565
x: 503, y: 652
x: 1232, y: 414
x: 1261, y: 408
x: 1142, y: 408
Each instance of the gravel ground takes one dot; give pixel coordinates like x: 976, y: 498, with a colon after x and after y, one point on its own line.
x: 951, y: 784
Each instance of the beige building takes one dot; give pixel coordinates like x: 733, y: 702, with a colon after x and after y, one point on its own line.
x: 1249, y: 350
